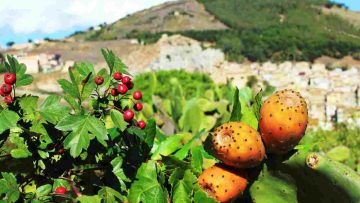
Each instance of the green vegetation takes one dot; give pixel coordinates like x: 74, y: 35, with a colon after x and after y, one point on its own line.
x: 341, y: 144
x: 282, y: 29
x: 161, y: 83
x: 278, y: 30
x: 92, y: 150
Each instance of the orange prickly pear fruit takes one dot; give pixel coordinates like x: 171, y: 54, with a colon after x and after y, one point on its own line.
x: 222, y: 183
x: 238, y: 145
x: 283, y: 121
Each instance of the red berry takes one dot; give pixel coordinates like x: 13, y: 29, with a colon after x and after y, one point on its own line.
x: 60, y: 190
x: 130, y: 85
x: 117, y: 76
x: 62, y: 150
x: 114, y: 92
x: 137, y: 95
x: 128, y: 115
x: 6, y: 89
x: 138, y: 106
x: 8, y: 99
x: 141, y: 124
x: 10, y: 78
x: 2, y: 93
x: 99, y: 80
x: 126, y: 80
x: 122, y: 89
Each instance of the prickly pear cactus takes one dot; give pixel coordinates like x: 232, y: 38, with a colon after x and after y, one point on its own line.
x: 273, y: 186
x: 301, y: 176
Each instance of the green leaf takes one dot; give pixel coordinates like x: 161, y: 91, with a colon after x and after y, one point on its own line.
x: 43, y: 190
x: 68, y: 88
x: 22, y: 79
x: 147, y: 188
x: 109, y: 195
x: 82, y: 83
x: 248, y: 116
x: 15, y: 67
x: 183, y: 152
x: 51, y: 109
x: 11, y: 63
x: 114, y: 63
x: 9, y: 187
x: 257, y: 104
x: 150, y: 131
x: 29, y: 105
x: 39, y: 128
x: 339, y: 153
x: 191, y: 117
x: 87, y: 199
x: 73, y: 103
x: 197, y: 159
x: 84, y: 129
x: 119, y: 172
x: 172, y: 163
x: 207, y: 122
x: 168, y: 146
x: 21, y: 149
x: 245, y: 94
x: 236, y: 110
x: 109, y: 58
x: 118, y: 120
x: 183, y: 188
x: 62, y: 183
x: 8, y: 119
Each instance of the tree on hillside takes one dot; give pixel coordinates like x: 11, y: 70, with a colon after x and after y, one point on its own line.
x: 10, y: 44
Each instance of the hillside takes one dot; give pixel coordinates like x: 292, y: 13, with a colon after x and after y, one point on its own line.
x: 279, y: 30
x: 282, y: 29
x: 352, y: 17
x: 171, y: 16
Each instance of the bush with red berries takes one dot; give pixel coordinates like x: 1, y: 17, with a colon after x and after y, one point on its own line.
x: 92, y: 144
x: 87, y: 141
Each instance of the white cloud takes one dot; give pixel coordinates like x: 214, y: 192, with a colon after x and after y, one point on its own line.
x: 50, y: 16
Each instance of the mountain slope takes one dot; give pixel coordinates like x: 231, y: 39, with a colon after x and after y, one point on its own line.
x: 170, y: 16
x: 350, y: 16
x: 284, y: 29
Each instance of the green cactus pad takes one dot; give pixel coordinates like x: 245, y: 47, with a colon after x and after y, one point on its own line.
x: 320, y: 179
x: 273, y: 187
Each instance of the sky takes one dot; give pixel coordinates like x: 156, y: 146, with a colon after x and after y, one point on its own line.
x: 21, y: 20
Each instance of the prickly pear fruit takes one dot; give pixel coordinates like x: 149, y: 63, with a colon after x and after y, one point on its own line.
x: 283, y: 121
x: 222, y: 183
x: 238, y: 145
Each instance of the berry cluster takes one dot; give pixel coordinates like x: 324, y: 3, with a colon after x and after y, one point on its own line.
x: 121, y: 87
x: 7, y: 87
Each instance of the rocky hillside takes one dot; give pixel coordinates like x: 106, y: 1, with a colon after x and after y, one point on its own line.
x: 244, y: 30
x: 255, y: 30
x: 171, y: 16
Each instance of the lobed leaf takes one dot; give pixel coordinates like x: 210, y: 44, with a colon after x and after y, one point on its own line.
x: 146, y: 188
x: 8, y: 119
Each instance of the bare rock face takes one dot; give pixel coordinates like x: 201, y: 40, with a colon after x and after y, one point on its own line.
x: 177, y: 52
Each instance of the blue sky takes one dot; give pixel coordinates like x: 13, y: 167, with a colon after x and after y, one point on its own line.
x: 36, y: 19
x: 352, y: 4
